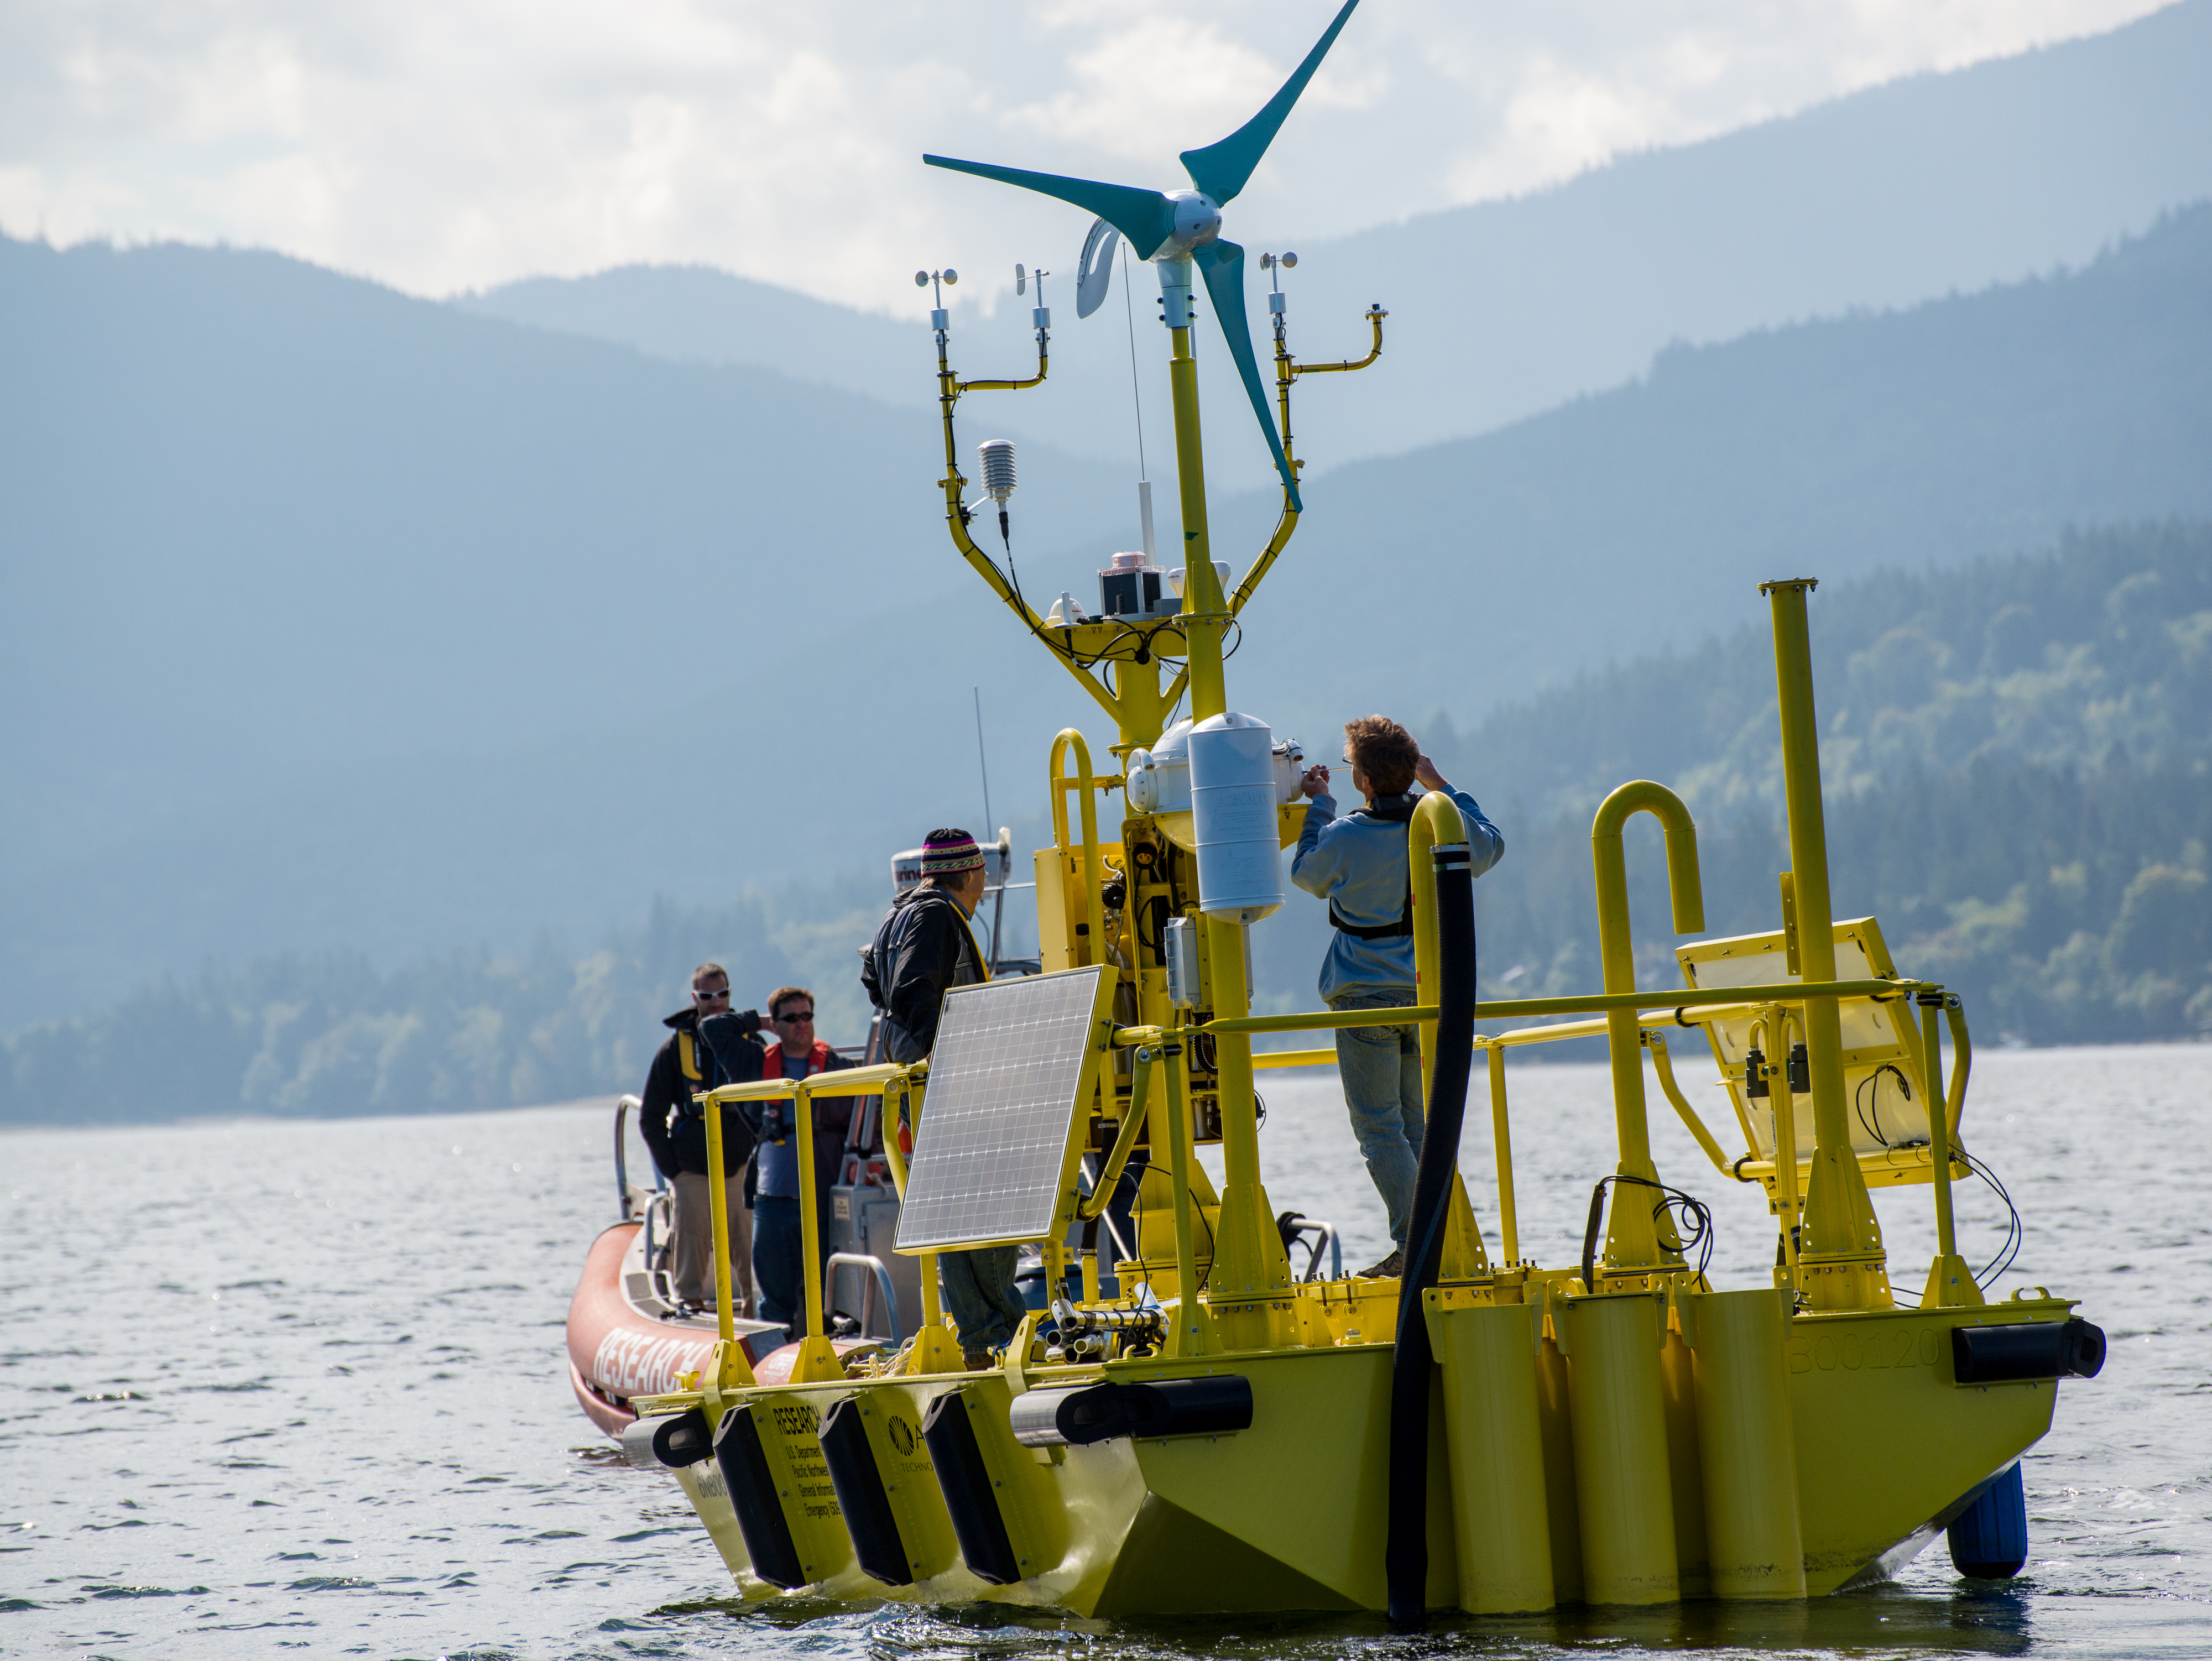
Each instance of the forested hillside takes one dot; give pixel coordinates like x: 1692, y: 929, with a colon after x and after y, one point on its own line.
x: 2019, y: 765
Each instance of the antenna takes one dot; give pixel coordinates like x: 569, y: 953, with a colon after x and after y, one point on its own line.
x: 1137, y: 398
x: 983, y: 765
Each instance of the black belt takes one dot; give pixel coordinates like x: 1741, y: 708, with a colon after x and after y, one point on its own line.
x: 1404, y: 926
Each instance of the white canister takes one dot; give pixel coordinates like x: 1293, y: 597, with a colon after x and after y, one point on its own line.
x: 1160, y: 781
x: 1232, y: 799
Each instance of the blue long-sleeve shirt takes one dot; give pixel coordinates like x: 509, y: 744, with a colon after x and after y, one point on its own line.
x: 1357, y: 864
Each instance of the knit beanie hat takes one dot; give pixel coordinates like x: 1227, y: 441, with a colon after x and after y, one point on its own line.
x: 948, y: 852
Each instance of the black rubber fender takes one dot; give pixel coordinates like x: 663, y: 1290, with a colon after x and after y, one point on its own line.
x: 2027, y: 1349
x: 971, y: 1498
x: 669, y: 1440
x: 875, y: 1542
x: 1077, y: 1415
x: 751, y: 1485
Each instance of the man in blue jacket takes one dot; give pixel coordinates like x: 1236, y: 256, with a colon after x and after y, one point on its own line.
x: 1358, y: 864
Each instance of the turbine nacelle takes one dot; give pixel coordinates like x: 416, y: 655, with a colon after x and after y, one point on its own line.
x: 1197, y: 223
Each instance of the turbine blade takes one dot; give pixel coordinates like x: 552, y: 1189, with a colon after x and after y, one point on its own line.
x: 1146, y: 217
x: 1094, y: 272
x: 1222, y: 265
x: 1222, y: 170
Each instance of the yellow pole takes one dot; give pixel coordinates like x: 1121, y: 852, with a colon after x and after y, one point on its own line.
x: 1950, y: 1282
x: 1193, y: 1333
x: 1842, y: 1256
x: 1250, y: 1262
x: 719, y: 1204
x: 1633, y: 1239
x: 1436, y: 823
x: 817, y: 1357
x: 1501, y: 1135
x: 1774, y: 1030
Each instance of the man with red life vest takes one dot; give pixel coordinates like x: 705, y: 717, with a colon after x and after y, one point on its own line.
x: 676, y: 1131
x: 779, y: 1239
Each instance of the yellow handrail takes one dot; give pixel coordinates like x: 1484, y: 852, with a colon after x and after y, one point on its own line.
x: 1658, y: 1003
x: 1093, y: 878
x: 1436, y: 823
x: 1109, y: 1175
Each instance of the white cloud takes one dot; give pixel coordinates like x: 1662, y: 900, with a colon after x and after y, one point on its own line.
x: 443, y: 144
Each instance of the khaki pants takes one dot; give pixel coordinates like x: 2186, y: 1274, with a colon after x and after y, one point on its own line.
x: 691, y: 1253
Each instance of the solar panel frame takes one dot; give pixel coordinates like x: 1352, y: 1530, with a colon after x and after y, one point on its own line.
x: 1011, y: 1084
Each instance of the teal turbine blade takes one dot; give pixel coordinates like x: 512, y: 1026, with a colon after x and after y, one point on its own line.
x: 1224, y: 169
x: 1223, y: 265
x: 1146, y: 217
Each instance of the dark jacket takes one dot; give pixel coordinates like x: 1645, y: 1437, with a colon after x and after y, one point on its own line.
x: 673, y: 1128
x: 922, y: 950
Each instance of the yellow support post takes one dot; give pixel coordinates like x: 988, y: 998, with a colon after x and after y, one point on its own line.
x: 1632, y: 1236
x: 1783, y: 1105
x: 818, y: 1357
x: 730, y: 1369
x: 1250, y: 1265
x: 1950, y: 1281
x: 934, y: 1349
x: 1193, y: 1333
x: 1436, y: 823
x: 1842, y: 1257
x: 1501, y: 1136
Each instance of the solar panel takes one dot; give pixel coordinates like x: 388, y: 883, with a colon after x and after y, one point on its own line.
x: 1010, y: 1086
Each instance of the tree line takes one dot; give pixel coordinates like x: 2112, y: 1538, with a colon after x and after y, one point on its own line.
x: 2018, y: 756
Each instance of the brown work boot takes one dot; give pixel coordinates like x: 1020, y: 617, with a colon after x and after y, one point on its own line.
x: 979, y: 1360
x: 1390, y: 1268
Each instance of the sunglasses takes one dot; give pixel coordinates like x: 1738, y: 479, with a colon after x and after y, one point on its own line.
x: 720, y: 993
x: 798, y: 1020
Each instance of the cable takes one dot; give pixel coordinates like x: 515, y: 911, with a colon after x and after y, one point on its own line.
x: 2015, y: 1235
x: 1859, y: 1105
x: 1198, y: 1211
x: 1694, y: 1227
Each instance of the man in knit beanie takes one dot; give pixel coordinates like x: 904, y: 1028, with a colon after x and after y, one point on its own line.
x: 923, y: 949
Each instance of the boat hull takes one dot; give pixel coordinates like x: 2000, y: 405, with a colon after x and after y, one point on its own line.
x: 1292, y: 1512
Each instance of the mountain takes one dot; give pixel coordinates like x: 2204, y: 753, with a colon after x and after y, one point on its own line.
x: 1931, y: 185
x: 335, y: 618
x: 339, y: 620
x: 1471, y: 572
x: 2019, y: 757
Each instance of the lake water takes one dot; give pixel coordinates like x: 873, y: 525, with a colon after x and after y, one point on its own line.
x: 269, y: 1387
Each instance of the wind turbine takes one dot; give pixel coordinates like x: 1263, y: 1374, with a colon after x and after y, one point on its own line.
x: 1176, y: 230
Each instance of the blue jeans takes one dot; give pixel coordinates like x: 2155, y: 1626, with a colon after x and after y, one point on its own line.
x: 1381, y: 1067
x: 779, y: 1254
x: 981, y: 1296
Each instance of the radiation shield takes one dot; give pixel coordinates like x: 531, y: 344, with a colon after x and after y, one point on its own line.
x: 1006, y: 1109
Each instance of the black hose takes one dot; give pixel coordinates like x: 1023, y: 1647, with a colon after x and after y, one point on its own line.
x: 1405, y: 1555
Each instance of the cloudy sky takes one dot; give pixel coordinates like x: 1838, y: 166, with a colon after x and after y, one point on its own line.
x: 448, y: 144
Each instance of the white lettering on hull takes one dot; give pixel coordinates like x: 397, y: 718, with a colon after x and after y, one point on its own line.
x: 629, y: 1364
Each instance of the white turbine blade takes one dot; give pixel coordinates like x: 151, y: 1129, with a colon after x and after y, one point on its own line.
x: 1094, y: 272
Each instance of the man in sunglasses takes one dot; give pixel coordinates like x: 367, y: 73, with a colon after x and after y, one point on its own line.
x: 779, y: 1242
x: 696, y: 1058
x: 1359, y: 863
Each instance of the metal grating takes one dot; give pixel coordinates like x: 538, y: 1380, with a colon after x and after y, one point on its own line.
x: 1007, y: 1087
